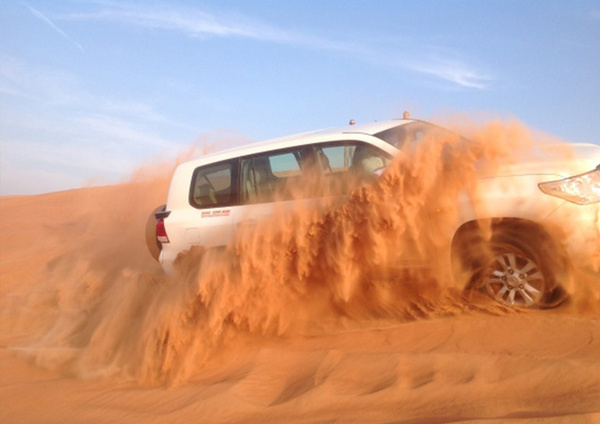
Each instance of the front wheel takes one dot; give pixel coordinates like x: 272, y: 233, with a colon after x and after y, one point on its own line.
x: 519, y: 266
x: 513, y: 278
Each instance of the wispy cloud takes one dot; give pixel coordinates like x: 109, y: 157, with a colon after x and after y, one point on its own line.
x: 49, y: 86
x: 190, y: 21
x: 52, y: 25
x: 193, y: 22
x: 196, y: 23
x: 47, y: 153
x: 46, y: 85
x: 56, y: 130
x: 121, y: 132
x: 455, y: 72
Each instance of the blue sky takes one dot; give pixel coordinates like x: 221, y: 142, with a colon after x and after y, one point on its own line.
x: 91, y: 89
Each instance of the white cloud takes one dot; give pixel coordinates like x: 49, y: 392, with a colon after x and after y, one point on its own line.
x: 455, y: 72
x: 43, y: 86
x: 56, y: 131
x: 86, y: 143
x: 193, y: 22
x: 79, y: 136
x: 118, y: 131
x: 51, y: 86
x: 190, y: 21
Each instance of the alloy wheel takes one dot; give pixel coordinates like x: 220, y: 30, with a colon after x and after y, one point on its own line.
x: 514, y: 280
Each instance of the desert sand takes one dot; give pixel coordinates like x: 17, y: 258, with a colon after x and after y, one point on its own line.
x: 92, y: 331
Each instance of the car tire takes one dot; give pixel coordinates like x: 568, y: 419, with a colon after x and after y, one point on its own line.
x: 520, y: 266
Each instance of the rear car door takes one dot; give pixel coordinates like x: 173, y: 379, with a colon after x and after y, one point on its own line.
x: 213, y: 195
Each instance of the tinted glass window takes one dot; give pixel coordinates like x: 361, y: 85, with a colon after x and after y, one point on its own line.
x: 212, y: 186
x: 338, y: 157
x: 312, y: 171
x: 347, y: 164
x: 352, y: 157
x: 272, y: 176
x: 285, y: 164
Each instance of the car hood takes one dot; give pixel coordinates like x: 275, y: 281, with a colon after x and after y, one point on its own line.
x: 560, y: 161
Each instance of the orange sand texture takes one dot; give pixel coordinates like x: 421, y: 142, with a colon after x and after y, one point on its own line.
x: 301, y: 320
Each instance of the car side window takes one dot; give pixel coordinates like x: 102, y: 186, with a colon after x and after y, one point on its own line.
x: 212, y: 185
x: 353, y: 157
x: 309, y: 171
x: 285, y: 164
x: 349, y: 163
x: 271, y: 176
x: 367, y: 159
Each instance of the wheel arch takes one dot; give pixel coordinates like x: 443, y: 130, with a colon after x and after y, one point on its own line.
x: 469, y: 248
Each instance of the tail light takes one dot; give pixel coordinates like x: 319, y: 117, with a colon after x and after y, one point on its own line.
x: 161, y: 231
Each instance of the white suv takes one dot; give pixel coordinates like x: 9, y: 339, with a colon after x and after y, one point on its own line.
x: 209, y: 197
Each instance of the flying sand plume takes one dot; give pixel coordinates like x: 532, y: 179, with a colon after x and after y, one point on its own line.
x: 104, y: 308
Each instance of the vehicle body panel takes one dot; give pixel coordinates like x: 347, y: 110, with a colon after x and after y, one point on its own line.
x: 507, y: 191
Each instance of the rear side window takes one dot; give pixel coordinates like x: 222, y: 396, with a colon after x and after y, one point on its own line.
x: 214, y: 185
x: 271, y: 176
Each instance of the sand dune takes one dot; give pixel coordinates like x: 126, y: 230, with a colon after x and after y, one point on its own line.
x: 91, y: 331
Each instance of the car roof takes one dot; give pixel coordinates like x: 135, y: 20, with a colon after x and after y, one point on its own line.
x: 300, y: 139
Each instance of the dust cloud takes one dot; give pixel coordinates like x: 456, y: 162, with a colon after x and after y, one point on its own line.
x: 81, y: 295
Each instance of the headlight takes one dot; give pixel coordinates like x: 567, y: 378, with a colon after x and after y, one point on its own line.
x: 582, y: 189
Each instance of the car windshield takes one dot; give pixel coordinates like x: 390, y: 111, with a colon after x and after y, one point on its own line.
x: 412, y: 133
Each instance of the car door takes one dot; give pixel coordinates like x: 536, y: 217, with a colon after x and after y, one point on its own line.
x: 270, y: 181
x: 213, y: 195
